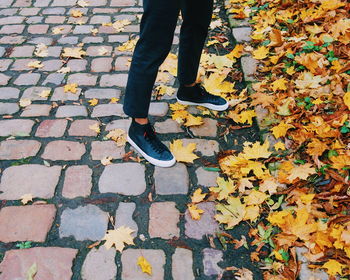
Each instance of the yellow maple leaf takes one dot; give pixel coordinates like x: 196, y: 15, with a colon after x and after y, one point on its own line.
x: 73, y: 52
x: 278, y: 218
x: 255, y: 198
x: 224, y: 188
x: 128, y: 46
x: 93, y: 102
x: 35, y: 64
x: 177, y: 106
x: 70, y: 88
x: 346, y: 99
x: 316, y: 147
x: 179, y: 116
x: 118, y: 237
x: 118, y: 135
x: 256, y: 150
x: 236, y: 52
x: 26, y: 198
x: 252, y: 213
x: 198, y: 196
x: 279, y: 84
x: 247, y: 116
x: 232, y: 213
x: 194, y: 211
x: 333, y: 267
x: 261, y: 52
x: 301, y: 172
x: 45, y: 93
x: 144, y: 265
x: 114, y: 100
x: 57, y: 30
x: 281, y: 129
x: 76, y: 13
x: 182, y: 153
x: 24, y: 102
x: 193, y: 121
x: 279, y: 146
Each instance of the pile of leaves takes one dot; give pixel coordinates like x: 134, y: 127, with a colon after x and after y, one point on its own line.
x: 293, y: 187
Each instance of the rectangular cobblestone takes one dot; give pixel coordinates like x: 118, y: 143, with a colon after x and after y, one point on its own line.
x: 15, y: 127
x: 71, y: 111
x: 17, y: 149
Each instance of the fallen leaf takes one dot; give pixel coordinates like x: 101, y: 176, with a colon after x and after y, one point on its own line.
x: 198, y: 196
x: 145, y: 265
x: 117, y: 238
x: 194, y: 211
x: 26, y: 198
x: 70, y: 88
x: 182, y: 153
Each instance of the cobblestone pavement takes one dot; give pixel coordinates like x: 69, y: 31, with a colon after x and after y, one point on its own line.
x: 48, y: 150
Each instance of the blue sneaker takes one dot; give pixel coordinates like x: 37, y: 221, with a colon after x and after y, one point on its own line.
x: 197, y: 95
x: 144, y: 139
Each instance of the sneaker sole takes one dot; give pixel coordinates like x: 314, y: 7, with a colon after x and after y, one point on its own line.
x: 154, y: 161
x: 207, y: 105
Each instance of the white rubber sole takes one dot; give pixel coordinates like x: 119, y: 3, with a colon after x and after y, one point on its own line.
x: 207, y: 105
x: 152, y: 160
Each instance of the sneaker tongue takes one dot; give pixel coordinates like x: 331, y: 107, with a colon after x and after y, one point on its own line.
x: 149, y: 129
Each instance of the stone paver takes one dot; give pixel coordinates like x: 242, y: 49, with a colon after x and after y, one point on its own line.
x: 124, y: 178
x: 206, y: 225
x: 211, y: 257
x: 15, y: 181
x: 173, y: 180
x: 84, y: 222
x: 208, y: 128
x: 51, y: 128
x: 123, y: 216
x: 63, y: 150
x: 81, y: 128
x: 26, y: 223
x: 206, y: 178
x: 8, y: 108
x: 15, y: 127
x: 182, y: 262
x: 77, y: 181
x: 102, y: 259
x: 17, y: 149
x: 131, y: 271
x: 102, y: 149
x: 55, y: 263
x: 160, y: 212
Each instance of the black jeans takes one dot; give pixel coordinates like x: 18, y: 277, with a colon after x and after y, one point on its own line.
x: 156, y: 35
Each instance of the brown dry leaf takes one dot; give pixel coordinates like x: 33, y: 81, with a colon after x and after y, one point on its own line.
x: 182, y: 153
x: 118, y: 237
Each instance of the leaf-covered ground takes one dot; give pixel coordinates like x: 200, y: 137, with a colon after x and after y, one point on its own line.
x: 298, y: 177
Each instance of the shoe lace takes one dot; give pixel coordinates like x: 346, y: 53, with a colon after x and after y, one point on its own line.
x: 150, y: 136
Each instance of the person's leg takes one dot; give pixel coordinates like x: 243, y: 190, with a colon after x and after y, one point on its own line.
x: 156, y: 35
x: 196, y: 16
